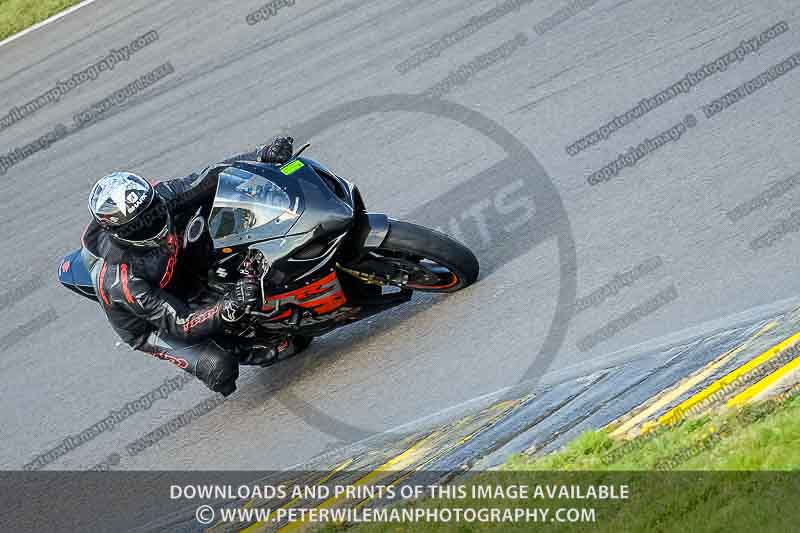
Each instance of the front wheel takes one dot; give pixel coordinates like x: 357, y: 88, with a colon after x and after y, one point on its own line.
x: 429, y: 260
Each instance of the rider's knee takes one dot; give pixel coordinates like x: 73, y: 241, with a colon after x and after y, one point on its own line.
x: 214, y: 366
x: 218, y: 369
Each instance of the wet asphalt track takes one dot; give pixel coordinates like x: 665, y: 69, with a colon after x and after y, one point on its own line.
x: 235, y: 84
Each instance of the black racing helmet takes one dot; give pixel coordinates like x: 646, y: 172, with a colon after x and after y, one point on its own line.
x: 129, y: 208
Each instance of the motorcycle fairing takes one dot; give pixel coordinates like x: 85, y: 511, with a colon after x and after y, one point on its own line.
x: 322, y: 296
x: 257, y: 202
x: 252, y: 204
x: 74, y: 275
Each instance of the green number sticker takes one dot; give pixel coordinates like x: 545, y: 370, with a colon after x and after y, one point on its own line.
x: 291, y: 168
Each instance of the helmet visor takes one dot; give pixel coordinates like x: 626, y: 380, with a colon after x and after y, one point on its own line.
x: 150, y: 228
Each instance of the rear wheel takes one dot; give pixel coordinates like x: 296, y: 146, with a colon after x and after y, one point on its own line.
x: 429, y: 261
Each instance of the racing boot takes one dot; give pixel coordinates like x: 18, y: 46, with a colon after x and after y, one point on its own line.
x: 272, y: 351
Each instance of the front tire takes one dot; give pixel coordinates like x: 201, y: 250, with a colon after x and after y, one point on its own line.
x: 445, y: 264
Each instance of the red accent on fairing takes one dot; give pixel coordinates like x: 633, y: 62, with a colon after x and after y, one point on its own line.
x: 304, y: 297
x: 328, y: 304
x: 65, y: 266
x: 177, y: 361
x: 124, y: 274
x: 102, y: 281
x: 285, y: 314
x: 309, y: 290
x: 172, y: 242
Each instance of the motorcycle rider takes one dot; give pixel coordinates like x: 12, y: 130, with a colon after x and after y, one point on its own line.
x: 148, y: 270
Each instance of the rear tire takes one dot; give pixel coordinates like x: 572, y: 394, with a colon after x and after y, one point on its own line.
x: 415, y: 240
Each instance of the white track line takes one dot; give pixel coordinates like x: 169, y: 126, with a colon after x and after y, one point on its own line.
x: 47, y: 21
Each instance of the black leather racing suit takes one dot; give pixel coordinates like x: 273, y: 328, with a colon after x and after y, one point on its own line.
x: 154, y: 298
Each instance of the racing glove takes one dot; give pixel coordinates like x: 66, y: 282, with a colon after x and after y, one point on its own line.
x: 246, y: 294
x: 278, y: 153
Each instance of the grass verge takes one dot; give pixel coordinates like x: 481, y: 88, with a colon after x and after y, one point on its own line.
x: 16, y: 15
x: 762, y: 436
x: 722, y: 472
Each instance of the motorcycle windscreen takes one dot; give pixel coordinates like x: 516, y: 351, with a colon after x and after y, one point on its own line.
x: 249, y: 207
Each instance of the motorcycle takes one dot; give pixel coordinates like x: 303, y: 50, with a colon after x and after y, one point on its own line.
x: 323, y: 261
